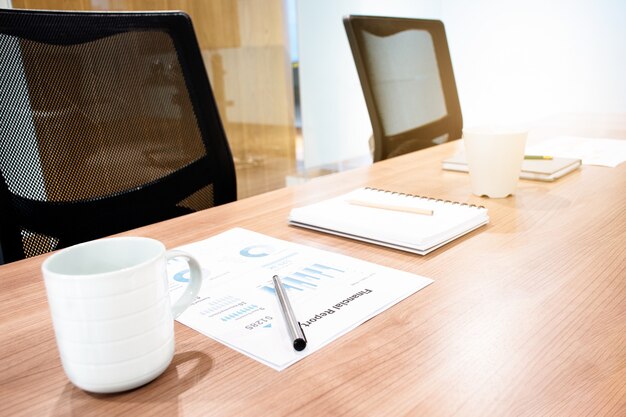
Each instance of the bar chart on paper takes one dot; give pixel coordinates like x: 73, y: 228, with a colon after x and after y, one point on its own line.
x: 309, y: 278
x: 223, y: 308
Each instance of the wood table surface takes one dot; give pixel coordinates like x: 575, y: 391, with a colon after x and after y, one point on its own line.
x: 526, y: 317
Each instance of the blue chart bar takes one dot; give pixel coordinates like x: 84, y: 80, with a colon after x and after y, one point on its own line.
x: 240, y: 312
x: 219, y: 304
x: 299, y: 282
x: 327, y: 268
x: 270, y: 288
x: 316, y: 272
x: 307, y: 278
x: 228, y: 308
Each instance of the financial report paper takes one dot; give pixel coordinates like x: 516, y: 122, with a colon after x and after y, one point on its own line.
x: 237, y: 305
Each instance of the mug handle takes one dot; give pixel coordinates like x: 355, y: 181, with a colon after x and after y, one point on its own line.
x: 195, y: 281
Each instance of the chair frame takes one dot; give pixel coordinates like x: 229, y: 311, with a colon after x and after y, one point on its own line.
x: 451, y: 124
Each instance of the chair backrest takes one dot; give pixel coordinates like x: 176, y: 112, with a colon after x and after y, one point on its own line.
x: 406, y: 75
x: 108, y: 123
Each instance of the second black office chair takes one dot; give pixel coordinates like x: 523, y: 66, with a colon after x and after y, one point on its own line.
x: 108, y: 123
x: 406, y: 75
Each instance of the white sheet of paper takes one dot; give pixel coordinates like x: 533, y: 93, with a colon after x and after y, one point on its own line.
x: 237, y: 306
x: 592, y: 151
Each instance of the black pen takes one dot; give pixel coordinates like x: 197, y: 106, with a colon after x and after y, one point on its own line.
x: 293, y: 326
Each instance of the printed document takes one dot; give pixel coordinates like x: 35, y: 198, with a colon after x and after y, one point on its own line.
x: 330, y: 293
x: 592, y: 151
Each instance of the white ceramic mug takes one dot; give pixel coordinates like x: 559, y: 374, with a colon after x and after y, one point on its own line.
x: 494, y: 159
x: 111, y: 310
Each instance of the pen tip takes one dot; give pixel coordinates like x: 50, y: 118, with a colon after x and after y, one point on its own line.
x: 299, y: 344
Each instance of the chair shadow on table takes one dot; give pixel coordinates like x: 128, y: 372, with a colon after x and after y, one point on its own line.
x: 185, y: 371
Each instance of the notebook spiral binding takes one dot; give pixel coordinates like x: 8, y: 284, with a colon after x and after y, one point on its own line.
x: 424, y: 197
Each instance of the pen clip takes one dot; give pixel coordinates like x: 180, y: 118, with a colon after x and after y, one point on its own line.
x: 302, y: 330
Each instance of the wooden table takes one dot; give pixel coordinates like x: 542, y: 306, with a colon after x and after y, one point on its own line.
x: 527, y: 315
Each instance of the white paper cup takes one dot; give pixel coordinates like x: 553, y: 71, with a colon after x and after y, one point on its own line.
x: 111, y: 311
x: 494, y: 159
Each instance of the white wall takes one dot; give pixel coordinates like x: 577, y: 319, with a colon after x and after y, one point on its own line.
x: 521, y: 61
x: 335, y: 123
x: 515, y: 61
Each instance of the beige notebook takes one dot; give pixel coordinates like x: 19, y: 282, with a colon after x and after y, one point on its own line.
x: 532, y: 169
x: 391, y: 219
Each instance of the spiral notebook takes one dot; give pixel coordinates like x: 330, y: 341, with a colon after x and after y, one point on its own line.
x: 403, y: 221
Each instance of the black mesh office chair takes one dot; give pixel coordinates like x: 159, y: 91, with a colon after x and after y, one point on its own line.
x: 108, y: 123
x: 406, y: 74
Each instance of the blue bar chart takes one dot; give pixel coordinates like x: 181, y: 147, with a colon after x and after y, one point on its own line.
x: 309, y: 278
x: 228, y: 308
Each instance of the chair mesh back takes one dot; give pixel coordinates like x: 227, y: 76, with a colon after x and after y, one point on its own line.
x: 97, y: 112
x: 405, y: 80
x: 98, y: 119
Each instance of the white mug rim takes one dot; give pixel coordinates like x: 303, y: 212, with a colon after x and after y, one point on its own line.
x: 47, y: 271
